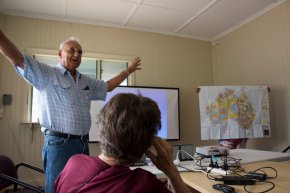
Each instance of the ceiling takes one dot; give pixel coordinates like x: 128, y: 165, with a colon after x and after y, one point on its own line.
x: 198, y: 19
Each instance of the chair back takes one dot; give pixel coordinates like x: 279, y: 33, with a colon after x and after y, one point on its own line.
x: 8, y: 168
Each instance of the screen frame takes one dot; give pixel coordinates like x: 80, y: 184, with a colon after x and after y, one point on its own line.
x: 160, y: 88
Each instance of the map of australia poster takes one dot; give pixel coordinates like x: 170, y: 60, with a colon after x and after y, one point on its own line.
x: 231, y: 112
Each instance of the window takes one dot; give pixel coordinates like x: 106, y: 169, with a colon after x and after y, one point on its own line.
x: 95, y: 68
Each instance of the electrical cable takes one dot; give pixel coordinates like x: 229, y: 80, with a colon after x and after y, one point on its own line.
x: 231, y: 164
x: 267, y: 167
x: 199, y: 163
x: 196, y: 160
x: 190, y: 170
x: 271, y: 188
x: 210, y: 176
x: 182, y: 151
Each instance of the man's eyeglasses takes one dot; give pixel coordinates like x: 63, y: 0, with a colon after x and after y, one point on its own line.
x: 73, y: 50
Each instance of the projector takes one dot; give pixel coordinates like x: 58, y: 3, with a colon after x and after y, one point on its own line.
x: 212, y: 150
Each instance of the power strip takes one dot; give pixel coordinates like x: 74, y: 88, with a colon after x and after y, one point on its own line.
x: 218, y: 171
x: 238, y: 180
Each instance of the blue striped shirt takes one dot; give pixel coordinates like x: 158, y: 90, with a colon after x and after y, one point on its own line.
x: 64, y: 103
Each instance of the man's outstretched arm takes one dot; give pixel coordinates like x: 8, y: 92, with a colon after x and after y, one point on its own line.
x: 10, y: 51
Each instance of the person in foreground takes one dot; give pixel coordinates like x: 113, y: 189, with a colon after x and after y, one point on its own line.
x: 127, y: 126
x: 65, y: 97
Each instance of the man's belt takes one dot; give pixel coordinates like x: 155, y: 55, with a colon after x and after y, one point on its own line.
x: 65, y: 135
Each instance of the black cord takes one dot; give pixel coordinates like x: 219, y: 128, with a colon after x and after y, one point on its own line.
x: 234, y: 165
x: 200, y: 164
x: 187, y: 169
x: 271, y: 188
x: 261, y: 169
x: 267, y: 167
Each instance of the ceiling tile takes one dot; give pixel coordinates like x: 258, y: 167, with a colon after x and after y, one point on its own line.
x: 189, y: 6
x: 105, y: 11
x: 40, y: 7
x: 223, y: 16
x: 236, y: 10
x: 156, y: 18
x: 204, y: 27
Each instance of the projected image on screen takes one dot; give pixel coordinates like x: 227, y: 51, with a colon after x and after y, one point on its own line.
x: 168, y: 103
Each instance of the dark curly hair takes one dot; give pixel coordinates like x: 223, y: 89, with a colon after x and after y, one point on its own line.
x: 127, y: 125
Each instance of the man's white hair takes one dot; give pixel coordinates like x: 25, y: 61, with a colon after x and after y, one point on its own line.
x: 69, y: 40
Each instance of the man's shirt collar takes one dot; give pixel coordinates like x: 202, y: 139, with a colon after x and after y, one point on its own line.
x: 63, y: 70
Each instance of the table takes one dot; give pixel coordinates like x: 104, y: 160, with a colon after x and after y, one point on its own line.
x: 201, y: 183
x: 251, y: 155
x: 247, y: 156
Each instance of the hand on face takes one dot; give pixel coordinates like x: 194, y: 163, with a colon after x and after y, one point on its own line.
x: 70, y: 56
x: 163, y: 158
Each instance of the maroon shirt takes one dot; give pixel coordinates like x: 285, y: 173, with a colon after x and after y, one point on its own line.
x: 91, y: 175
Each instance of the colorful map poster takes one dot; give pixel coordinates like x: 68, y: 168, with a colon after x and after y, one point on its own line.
x: 231, y: 112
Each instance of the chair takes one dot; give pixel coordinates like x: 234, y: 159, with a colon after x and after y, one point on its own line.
x: 8, y: 176
x: 285, y: 150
